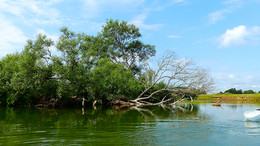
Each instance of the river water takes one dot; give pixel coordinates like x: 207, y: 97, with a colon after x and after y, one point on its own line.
x: 199, y: 124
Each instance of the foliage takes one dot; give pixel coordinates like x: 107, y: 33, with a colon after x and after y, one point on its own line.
x: 103, y: 67
x: 249, y: 92
x: 109, y: 80
x: 234, y: 91
x: 228, y: 96
x: 27, y: 75
x: 124, y: 45
x: 73, y: 67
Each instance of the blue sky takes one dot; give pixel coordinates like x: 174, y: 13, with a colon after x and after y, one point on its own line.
x: 222, y: 36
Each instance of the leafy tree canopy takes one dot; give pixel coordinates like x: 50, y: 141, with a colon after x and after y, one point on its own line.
x: 234, y: 91
x: 249, y: 92
x: 107, y: 66
x: 124, y: 44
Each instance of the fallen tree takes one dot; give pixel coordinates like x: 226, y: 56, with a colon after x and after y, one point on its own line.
x: 181, y: 80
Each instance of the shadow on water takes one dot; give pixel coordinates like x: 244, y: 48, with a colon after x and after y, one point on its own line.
x: 184, y: 124
x: 95, y: 126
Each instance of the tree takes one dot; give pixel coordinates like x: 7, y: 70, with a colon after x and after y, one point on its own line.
x: 124, y: 45
x: 27, y: 76
x: 249, y: 92
x: 73, y: 67
x: 239, y: 91
x: 234, y: 91
x: 8, y: 68
x: 105, y: 67
x: 175, y: 80
x: 110, y: 81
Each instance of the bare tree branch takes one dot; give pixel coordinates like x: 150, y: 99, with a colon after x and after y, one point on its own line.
x: 181, y: 77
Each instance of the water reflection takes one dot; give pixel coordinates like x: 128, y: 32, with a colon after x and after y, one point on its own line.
x: 252, y: 127
x: 32, y: 126
x: 235, y: 106
x: 167, y: 111
x: 152, y: 125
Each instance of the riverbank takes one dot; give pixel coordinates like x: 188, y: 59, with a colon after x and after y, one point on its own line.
x: 232, y: 98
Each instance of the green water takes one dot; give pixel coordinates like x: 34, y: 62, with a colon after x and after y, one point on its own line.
x: 201, y: 124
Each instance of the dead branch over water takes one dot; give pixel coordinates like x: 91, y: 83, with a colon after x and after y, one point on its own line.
x: 182, y: 79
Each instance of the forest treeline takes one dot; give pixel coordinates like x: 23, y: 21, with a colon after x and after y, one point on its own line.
x: 239, y: 91
x: 109, y: 66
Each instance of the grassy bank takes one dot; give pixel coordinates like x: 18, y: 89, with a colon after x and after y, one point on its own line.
x: 231, y: 97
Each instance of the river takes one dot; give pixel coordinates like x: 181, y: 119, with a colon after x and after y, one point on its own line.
x: 197, y: 124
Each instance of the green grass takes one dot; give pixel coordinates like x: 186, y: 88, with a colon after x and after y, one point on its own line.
x: 197, y: 101
x: 237, y: 96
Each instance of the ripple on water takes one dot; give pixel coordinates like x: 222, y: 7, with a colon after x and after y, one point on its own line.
x: 205, y: 125
x: 252, y: 127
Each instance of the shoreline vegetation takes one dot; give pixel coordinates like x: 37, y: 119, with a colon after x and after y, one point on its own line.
x: 231, y: 98
x: 111, y: 68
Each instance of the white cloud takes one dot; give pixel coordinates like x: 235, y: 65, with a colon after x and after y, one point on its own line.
x: 249, y: 78
x: 179, y: 1
x: 255, y: 86
x: 113, y: 3
x: 15, y: 14
x: 231, y: 76
x: 9, y: 6
x: 234, y: 2
x: 139, y: 21
x: 235, y: 80
x: 10, y: 36
x: 93, y: 8
x: 54, y: 37
x: 174, y: 36
x: 234, y: 36
x: 217, y: 15
x: 231, y: 5
x: 238, y: 35
x: 29, y: 10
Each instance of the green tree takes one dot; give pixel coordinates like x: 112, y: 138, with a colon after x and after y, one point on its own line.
x: 110, y: 80
x: 249, y: 92
x: 8, y: 67
x: 103, y: 67
x: 28, y: 76
x: 72, y: 68
x: 239, y: 91
x: 234, y: 91
x: 124, y: 45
